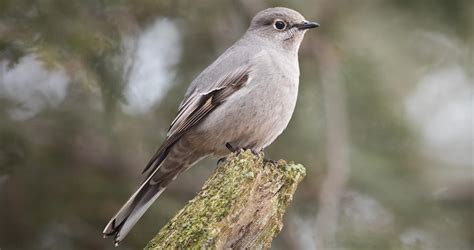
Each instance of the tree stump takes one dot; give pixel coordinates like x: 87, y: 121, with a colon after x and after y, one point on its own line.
x: 240, y: 206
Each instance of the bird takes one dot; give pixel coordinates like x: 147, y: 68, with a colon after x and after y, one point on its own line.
x: 243, y: 100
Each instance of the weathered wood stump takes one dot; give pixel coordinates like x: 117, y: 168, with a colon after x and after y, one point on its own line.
x: 240, y: 206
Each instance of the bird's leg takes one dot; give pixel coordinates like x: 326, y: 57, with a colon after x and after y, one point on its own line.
x: 231, y: 148
x: 255, y: 152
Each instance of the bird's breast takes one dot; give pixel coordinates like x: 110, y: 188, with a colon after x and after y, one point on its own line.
x: 257, y: 113
x: 252, y: 117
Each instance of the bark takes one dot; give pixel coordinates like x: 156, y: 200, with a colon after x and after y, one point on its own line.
x: 240, y: 206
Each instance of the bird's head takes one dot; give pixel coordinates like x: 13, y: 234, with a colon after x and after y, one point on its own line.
x: 281, y: 26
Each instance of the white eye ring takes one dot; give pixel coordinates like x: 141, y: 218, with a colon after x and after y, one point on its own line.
x: 279, y: 24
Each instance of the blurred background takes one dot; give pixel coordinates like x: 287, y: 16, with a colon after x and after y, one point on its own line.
x: 383, y: 123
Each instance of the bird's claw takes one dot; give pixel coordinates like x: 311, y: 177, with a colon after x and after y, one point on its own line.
x: 270, y: 161
x: 221, y: 160
x: 237, y: 150
x: 255, y: 152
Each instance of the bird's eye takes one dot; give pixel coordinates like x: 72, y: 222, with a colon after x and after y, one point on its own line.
x: 279, y: 24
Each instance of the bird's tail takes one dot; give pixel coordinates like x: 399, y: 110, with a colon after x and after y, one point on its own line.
x: 141, y: 200
x: 133, y: 210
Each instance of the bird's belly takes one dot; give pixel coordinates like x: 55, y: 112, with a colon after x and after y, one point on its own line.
x: 251, y: 118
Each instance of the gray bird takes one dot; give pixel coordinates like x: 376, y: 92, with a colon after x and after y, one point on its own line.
x: 243, y: 100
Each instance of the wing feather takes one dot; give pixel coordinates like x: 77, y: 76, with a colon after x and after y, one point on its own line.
x: 197, y: 106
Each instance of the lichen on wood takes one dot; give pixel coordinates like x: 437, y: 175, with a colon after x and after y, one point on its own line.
x: 240, y: 206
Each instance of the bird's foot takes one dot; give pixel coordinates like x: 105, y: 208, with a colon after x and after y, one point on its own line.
x: 270, y: 161
x: 237, y: 150
x: 234, y: 149
x: 221, y: 160
x: 255, y: 152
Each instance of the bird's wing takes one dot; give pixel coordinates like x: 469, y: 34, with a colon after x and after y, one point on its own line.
x: 197, y: 106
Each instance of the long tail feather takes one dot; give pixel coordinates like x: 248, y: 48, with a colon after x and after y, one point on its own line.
x: 167, y: 169
x: 122, y: 222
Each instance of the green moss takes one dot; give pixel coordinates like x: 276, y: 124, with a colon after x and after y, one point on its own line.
x: 198, y: 224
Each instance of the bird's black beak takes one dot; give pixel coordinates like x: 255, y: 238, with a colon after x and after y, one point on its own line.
x: 307, y: 25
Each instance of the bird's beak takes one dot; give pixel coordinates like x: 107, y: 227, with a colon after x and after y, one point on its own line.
x: 307, y: 25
